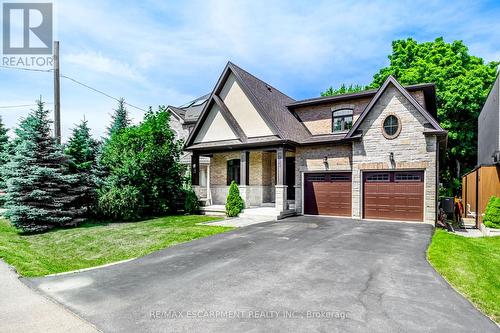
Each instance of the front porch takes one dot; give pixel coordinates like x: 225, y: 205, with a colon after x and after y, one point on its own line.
x: 265, y: 177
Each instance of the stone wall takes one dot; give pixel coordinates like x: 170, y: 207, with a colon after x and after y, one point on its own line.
x: 311, y: 158
x: 261, y: 177
x: 318, y: 119
x: 411, y: 149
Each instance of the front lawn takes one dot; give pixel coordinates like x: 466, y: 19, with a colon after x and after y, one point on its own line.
x: 95, y: 244
x: 472, y: 266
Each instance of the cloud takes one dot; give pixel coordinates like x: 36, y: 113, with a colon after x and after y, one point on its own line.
x: 97, y: 62
x: 167, y: 52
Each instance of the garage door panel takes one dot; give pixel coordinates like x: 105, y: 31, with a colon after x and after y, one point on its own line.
x: 328, y: 194
x: 393, y: 195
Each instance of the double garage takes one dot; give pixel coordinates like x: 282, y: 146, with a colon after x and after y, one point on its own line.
x: 386, y: 195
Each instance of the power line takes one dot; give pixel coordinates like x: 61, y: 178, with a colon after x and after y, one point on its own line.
x: 75, y: 81
x: 99, y: 91
x: 19, y: 106
x: 27, y: 69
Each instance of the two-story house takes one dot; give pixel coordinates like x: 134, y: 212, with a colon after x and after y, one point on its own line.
x: 367, y: 155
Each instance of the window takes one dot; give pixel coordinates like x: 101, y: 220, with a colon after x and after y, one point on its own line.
x: 316, y: 178
x: 340, y: 178
x: 341, y: 120
x: 378, y: 177
x: 233, y: 171
x: 391, y: 127
x: 409, y: 177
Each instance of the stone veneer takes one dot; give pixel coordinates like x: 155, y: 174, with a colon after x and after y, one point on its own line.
x: 261, y: 177
x: 318, y: 119
x: 412, y: 151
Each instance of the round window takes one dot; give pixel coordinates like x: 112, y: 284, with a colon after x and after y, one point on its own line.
x: 391, y: 127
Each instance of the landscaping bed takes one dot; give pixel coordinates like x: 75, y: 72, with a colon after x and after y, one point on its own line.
x: 94, y: 244
x: 470, y: 265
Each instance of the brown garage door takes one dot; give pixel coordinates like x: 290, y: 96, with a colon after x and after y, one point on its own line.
x: 327, y: 194
x: 394, y: 195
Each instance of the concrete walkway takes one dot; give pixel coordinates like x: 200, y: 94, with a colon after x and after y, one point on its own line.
x: 239, y: 222
x: 24, y: 310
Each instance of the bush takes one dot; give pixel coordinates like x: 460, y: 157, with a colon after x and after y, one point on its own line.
x: 234, y: 202
x: 121, y: 203
x: 492, y: 214
x: 191, y: 203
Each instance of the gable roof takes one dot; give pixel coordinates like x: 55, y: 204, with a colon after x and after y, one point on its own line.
x: 190, y: 112
x: 436, y: 128
x: 269, y: 102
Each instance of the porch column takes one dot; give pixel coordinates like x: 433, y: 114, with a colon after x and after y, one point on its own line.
x: 244, y: 175
x: 195, y: 169
x: 280, y: 195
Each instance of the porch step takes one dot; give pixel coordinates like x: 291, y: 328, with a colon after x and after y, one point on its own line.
x: 260, y: 212
x: 216, y: 210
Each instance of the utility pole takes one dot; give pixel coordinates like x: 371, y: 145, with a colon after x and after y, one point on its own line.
x: 57, y: 95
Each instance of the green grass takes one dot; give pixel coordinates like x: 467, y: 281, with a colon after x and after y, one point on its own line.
x: 472, y: 266
x: 95, y: 244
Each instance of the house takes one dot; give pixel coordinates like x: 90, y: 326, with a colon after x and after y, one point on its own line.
x: 182, y: 121
x: 370, y: 155
x: 483, y: 182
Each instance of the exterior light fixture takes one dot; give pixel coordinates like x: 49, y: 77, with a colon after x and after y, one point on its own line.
x: 325, y: 162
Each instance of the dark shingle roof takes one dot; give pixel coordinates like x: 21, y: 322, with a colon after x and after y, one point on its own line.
x: 273, y: 102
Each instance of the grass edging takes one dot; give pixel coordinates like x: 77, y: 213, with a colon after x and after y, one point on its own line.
x: 96, y: 244
x: 458, y: 271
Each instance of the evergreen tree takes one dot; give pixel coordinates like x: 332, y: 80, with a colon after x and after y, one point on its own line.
x: 119, y: 119
x: 40, y: 193
x: 82, y: 150
x: 4, y: 152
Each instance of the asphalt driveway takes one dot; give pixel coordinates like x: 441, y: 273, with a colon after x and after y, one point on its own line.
x: 301, y: 274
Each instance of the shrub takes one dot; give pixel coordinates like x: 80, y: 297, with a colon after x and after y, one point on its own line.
x: 234, y: 202
x: 121, y: 203
x: 492, y: 214
x: 191, y: 204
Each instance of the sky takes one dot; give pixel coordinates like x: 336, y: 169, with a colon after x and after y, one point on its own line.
x: 154, y: 52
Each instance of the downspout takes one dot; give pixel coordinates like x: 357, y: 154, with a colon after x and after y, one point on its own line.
x: 477, y: 198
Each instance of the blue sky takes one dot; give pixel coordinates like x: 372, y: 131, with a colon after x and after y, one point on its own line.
x: 155, y: 52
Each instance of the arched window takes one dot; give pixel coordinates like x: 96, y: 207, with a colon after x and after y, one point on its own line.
x: 341, y: 120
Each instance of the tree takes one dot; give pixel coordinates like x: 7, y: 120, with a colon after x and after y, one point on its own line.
x: 40, y: 193
x: 352, y: 88
x: 234, y: 202
x: 463, y: 82
x: 143, y: 160
x: 82, y: 150
x: 119, y: 119
x: 4, y: 152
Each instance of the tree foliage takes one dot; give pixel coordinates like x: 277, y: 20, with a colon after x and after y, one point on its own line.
x: 82, y: 150
x: 4, y: 152
x: 343, y: 89
x: 144, y: 160
x: 463, y: 82
x: 234, y: 202
x: 119, y: 119
x: 41, y: 194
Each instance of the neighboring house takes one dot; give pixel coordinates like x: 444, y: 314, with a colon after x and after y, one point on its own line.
x: 183, y: 119
x: 479, y: 185
x: 372, y: 154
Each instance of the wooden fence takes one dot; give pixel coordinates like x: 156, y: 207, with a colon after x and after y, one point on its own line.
x: 478, y: 186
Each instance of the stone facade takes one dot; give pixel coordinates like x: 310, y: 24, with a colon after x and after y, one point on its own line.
x: 261, y: 177
x: 412, y: 149
x: 318, y: 119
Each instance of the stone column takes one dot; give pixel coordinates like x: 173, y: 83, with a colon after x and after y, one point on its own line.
x: 281, y: 187
x: 244, y: 175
